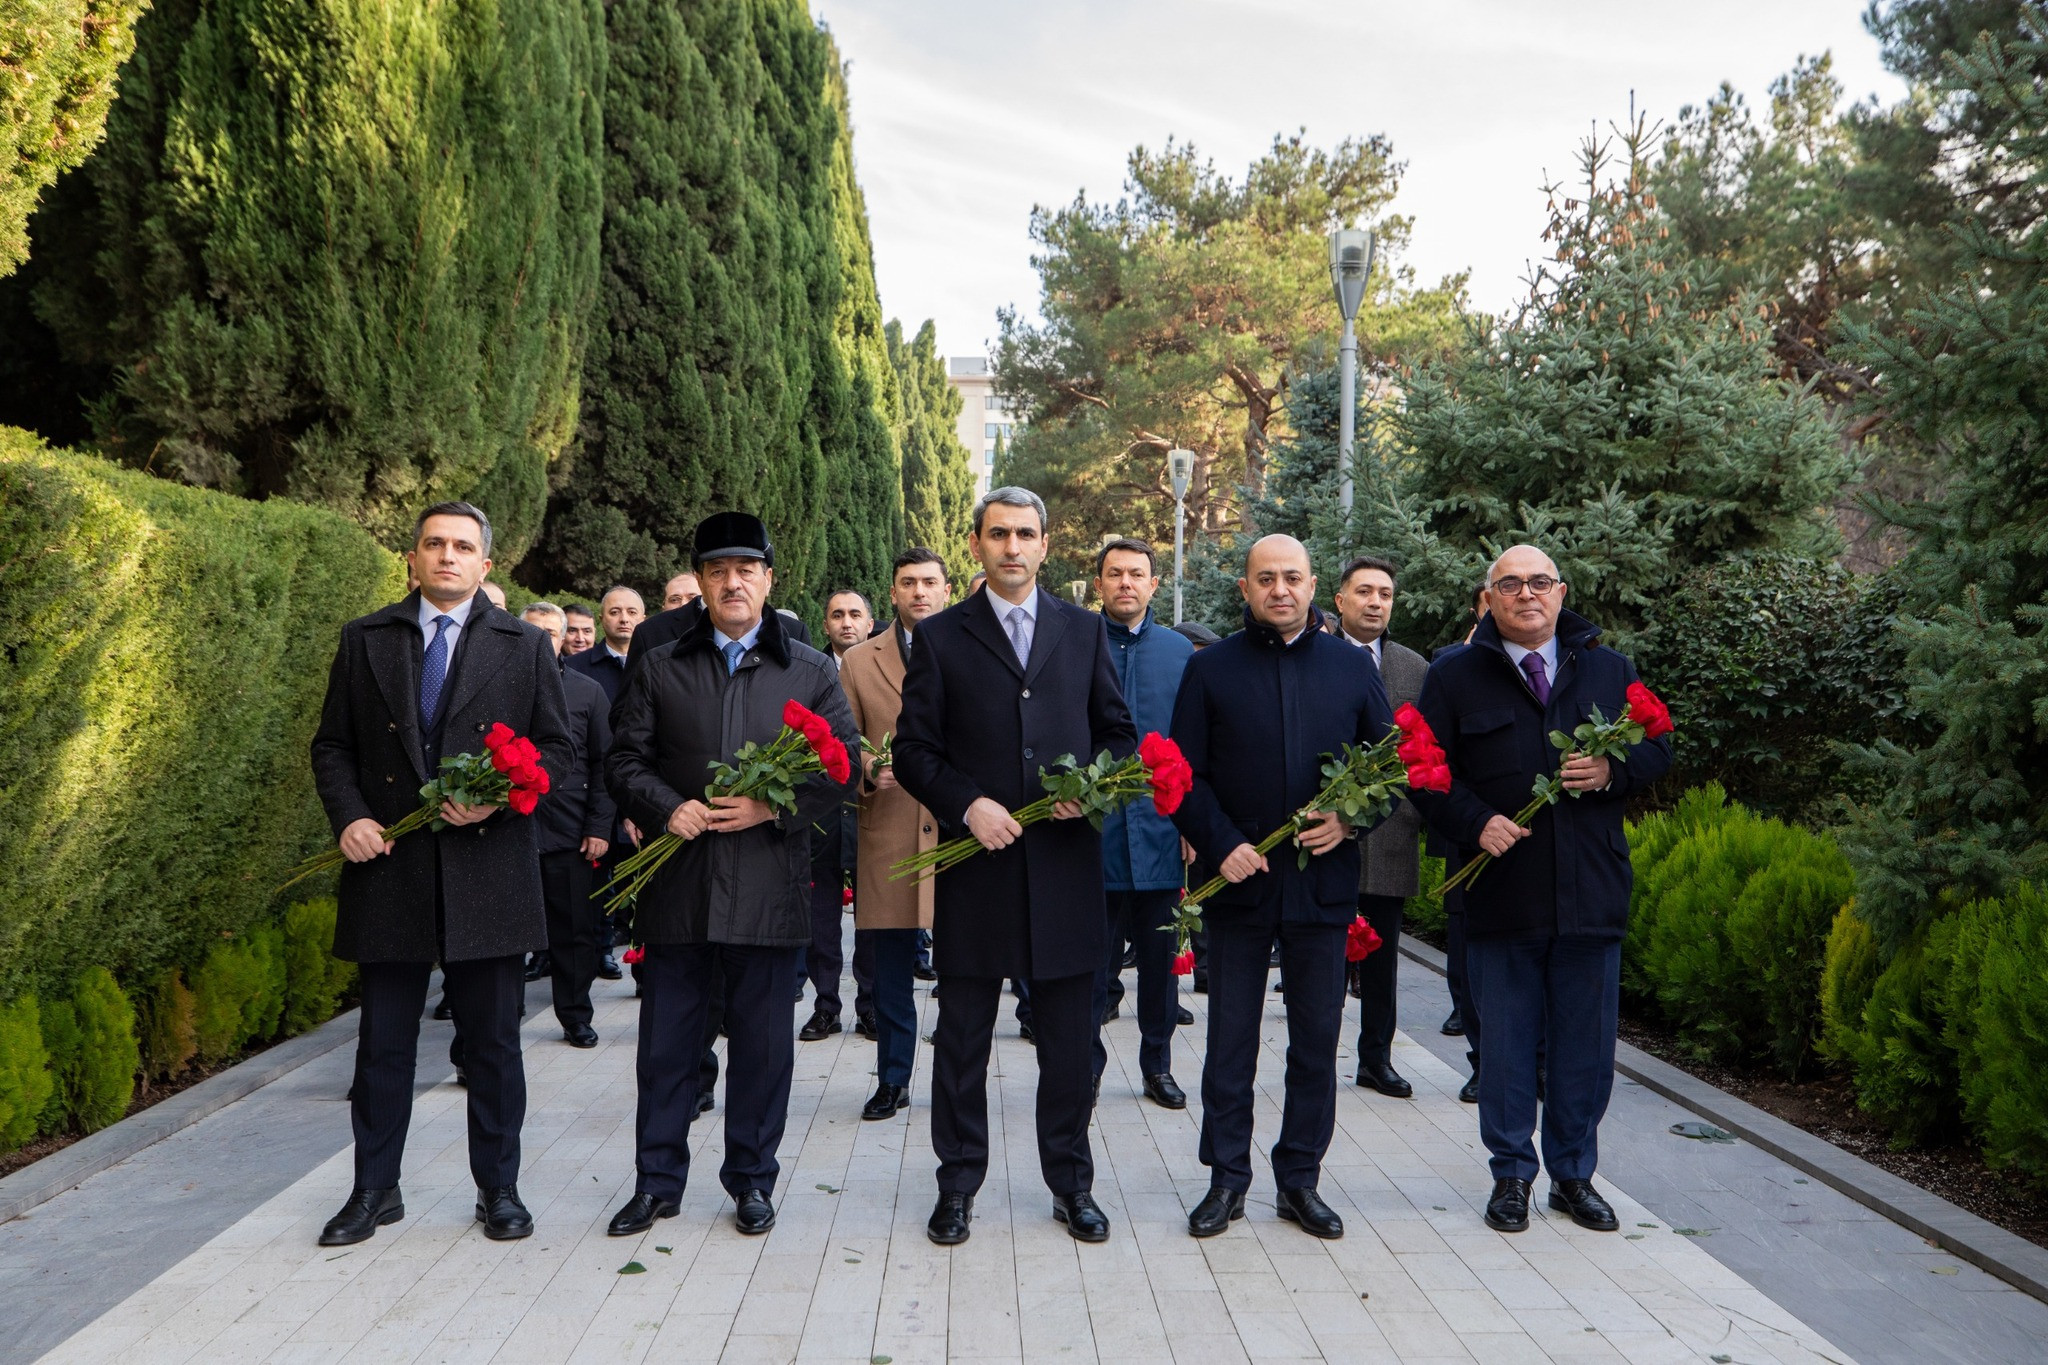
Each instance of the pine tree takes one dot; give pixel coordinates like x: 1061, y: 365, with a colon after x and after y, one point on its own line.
x: 1965, y: 810
x: 58, y: 59
x: 1625, y: 418
x: 938, y: 482
x: 340, y: 253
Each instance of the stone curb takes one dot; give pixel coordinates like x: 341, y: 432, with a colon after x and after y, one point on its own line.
x: 62, y: 1170
x: 1957, y: 1231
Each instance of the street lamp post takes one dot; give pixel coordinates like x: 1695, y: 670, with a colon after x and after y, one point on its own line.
x: 1180, y: 466
x: 1351, y: 253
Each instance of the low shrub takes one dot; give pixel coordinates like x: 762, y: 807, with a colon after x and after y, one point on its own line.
x: 167, y: 1025
x: 1848, y: 973
x: 102, y: 1080
x: 239, y: 993
x: 1650, y: 844
x: 25, y: 1081
x: 315, y: 980
x: 1778, y: 932
x: 1905, y: 1070
x: 1423, y: 913
x: 61, y: 1042
x: 1999, y: 1026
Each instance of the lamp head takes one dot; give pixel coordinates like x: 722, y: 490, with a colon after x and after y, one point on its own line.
x: 1351, y: 255
x: 1180, y: 467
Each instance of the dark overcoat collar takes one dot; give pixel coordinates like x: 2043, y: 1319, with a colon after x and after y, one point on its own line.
x: 772, y: 640
x: 389, y: 637
x: 1264, y: 636
x: 980, y: 621
x: 1574, y: 632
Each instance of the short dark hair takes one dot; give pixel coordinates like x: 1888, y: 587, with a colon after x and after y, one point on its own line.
x: 1364, y: 562
x: 578, y: 609
x: 918, y: 554
x: 1479, y: 596
x: 1128, y: 546
x: 456, y: 509
x: 865, y: 605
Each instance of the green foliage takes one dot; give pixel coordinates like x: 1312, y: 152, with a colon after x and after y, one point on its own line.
x: 1778, y: 931
x: 163, y: 653
x: 938, y: 480
x: 340, y: 253
x: 101, y: 1081
x: 25, y: 1080
x: 1848, y: 974
x: 1423, y: 913
x: 1963, y: 810
x: 239, y: 993
x: 315, y: 980
x: 1767, y: 661
x: 1905, y: 1071
x: 56, y: 82
x: 167, y: 1022
x: 1178, y: 315
x: 2004, y: 1047
x: 1659, y: 855
x: 63, y: 1042
x: 737, y: 357
x: 1624, y: 419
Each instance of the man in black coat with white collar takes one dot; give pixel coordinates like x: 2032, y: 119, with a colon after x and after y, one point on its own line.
x: 413, y: 683
x: 1544, y: 921
x: 730, y: 911
x: 1255, y: 718
x: 999, y: 687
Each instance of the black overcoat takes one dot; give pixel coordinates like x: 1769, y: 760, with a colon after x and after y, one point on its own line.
x: 578, y: 807
x: 975, y: 724
x: 369, y: 761
x: 1255, y: 718
x: 678, y: 713
x: 1571, y: 875
x: 665, y: 627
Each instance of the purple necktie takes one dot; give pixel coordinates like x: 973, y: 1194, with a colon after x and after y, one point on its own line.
x: 1539, y: 683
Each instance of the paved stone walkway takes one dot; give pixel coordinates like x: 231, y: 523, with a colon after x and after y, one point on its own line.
x: 848, y: 1275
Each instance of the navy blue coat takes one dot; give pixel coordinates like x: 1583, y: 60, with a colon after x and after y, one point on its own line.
x: 1140, y: 847
x: 1255, y: 718
x: 975, y: 724
x: 1571, y: 875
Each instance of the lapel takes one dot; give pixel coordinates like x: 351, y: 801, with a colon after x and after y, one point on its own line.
x: 979, y: 620
x: 388, y: 641
x: 1052, y: 623
x: 889, y: 654
x: 485, y: 646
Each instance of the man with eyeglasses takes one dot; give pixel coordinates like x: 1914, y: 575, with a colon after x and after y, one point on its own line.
x: 1544, y: 922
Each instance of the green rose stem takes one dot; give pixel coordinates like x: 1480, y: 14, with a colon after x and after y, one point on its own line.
x: 1548, y: 789
x: 1121, y: 782
x: 330, y: 859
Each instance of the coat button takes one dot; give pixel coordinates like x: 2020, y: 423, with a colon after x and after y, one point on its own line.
x: 392, y: 726
x: 1027, y: 694
x: 479, y: 726
x: 389, y: 777
x: 1027, y: 753
x: 927, y: 829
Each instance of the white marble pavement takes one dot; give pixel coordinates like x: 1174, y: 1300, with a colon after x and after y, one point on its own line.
x: 847, y: 1274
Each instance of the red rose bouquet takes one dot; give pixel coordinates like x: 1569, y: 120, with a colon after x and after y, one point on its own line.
x: 1644, y: 718
x: 1157, y: 770
x: 1360, y: 785
x: 1360, y: 940
x: 769, y: 773
x: 506, y: 773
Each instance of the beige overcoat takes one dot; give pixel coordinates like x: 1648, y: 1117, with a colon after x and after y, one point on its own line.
x: 892, y: 826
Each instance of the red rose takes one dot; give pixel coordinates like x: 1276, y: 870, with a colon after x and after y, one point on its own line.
x: 834, y: 759
x: 634, y: 956
x: 1429, y: 777
x: 1155, y: 749
x: 846, y: 896
x: 1648, y: 711
x: 816, y: 730
x: 1414, y: 749
x: 1410, y: 719
x: 1184, y: 962
x: 499, y: 737
x: 504, y: 758
x: 522, y: 749
x: 794, y: 713
x: 1360, y: 940
x: 531, y: 776
x: 523, y: 800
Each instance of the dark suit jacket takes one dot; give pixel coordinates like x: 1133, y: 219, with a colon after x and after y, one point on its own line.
x: 666, y: 626
x: 579, y: 807
x: 370, y: 759
x: 975, y: 724
x: 1571, y: 875
x: 598, y: 664
x: 1255, y: 718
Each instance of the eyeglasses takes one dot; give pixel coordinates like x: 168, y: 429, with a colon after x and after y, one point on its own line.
x: 1539, y: 585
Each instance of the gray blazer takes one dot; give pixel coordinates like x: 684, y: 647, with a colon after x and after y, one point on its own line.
x: 1388, y: 865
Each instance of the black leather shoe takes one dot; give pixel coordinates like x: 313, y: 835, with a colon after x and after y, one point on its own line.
x: 608, y: 969
x: 1085, y: 1220
x: 462, y: 1078
x: 361, y: 1216
x: 1024, y: 1032
x: 949, y: 1220
x: 820, y: 1025
x: 580, y: 1035
x: 752, y: 1213
x: 1454, y: 1026
x: 886, y: 1100
x: 1470, y: 1092
x: 639, y: 1214
x: 704, y: 1103
x: 1163, y: 1091
x: 1184, y: 1016
x: 1307, y: 1208
x: 1386, y: 1080
x: 1579, y: 1199
x: 1508, y: 1208
x: 923, y: 972
x: 443, y: 1010
x: 505, y: 1219
x: 1115, y: 1011
x: 538, y: 966
x: 864, y: 1027
x: 1218, y: 1209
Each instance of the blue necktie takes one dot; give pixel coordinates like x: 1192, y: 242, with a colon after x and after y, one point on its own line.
x: 435, y: 672
x: 1020, y: 635
x: 733, y: 650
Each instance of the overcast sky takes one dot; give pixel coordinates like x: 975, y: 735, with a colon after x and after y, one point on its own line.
x: 967, y: 114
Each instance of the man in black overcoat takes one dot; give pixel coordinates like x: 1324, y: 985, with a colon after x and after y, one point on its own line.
x: 999, y: 687
x: 730, y: 911
x: 1255, y: 718
x: 411, y: 684
x: 1544, y: 921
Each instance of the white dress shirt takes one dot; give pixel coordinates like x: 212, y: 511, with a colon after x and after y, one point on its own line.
x: 1548, y: 649
x: 459, y: 614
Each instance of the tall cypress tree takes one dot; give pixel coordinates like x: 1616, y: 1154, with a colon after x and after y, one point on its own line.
x: 938, y: 482
x: 339, y: 253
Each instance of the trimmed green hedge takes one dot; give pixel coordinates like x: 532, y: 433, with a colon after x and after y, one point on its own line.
x: 163, y: 652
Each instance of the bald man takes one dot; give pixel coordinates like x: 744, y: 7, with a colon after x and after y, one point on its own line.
x: 1544, y: 922
x: 1255, y: 716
